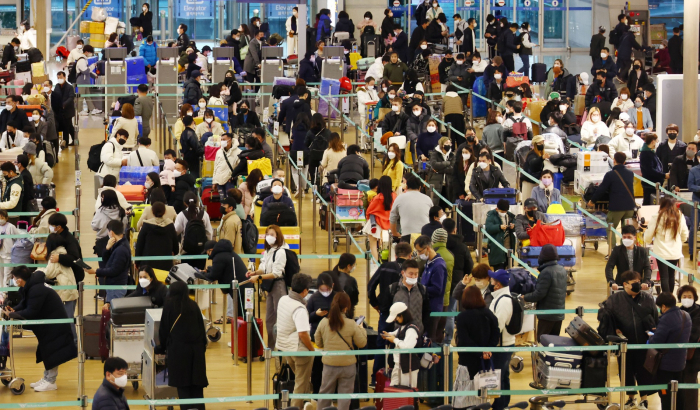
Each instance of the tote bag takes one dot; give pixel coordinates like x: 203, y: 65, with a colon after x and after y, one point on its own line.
x: 463, y: 383
x: 543, y: 233
x: 488, y: 379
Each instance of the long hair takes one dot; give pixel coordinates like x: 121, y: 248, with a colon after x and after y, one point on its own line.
x: 385, y: 188
x: 191, y: 201
x: 280, y: 237
x: 253, y: 180
x: 155, y: 178
x: 395, y: 147
x: 336, y: 144
x: 460, y: 159
x: 669, y: 215
x: 336, y: 317
x: 111, y: 201
x: 178, y: 295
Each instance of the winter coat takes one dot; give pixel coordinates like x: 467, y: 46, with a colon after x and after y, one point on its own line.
x: 328, y: 339
x: 40, y: 170
x: 534, y: 164
x: 565, y: 85
x: 193, y: 92
x: 608, y: 64
x: 694, y: 312
x: 307, y: 71
x: 434, y: 279
x: 626, y: 318
x: 73, y: 253
x: 111, y: 158
x: 222, y: 170
x: 449, y: 257
x: 463, y: 259
x: 441, y: 169
x: 62, y: 100
x: 427, y: 142
x: 157, y: 237
x: 416, y: 125
x: 183, y: 184
x: 674, y: 326
x: 493, y: 227
x: 352, y: 168
x: 625, y: 46
x: 620, y: 199
x: 38, y: 301
x: 388, y: 273
x: 395, y: 72
x: 479, y: 182
x: 315, y: 302
x: 635, y: 82
x: 231, y: 228
x: 117, y: 262
x: 157, y: 291
x: 345, y: 24
x: 550, y: 289
x: 539, y: 195
x: 149, y: 53
x: 493, y: 137
x: 667, y: 154
x: 394, y: 122
x: 63, y: 276
x: 222, y: 268
x: 522, y: 224
x: 109, y: 397
x: 278, y: 213
x: 607, y: 93
x: 666, y: 245
x: 651, y: 167
x: 679, y: 171
x: 618, y: 259
x: 104, y: 216
x: 597, y: 44
x: 475, y: 328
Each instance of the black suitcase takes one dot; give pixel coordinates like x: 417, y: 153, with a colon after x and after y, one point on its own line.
x: 282, y: 380
x: 584, y: 334
x: 539, y: 73
x: 595, y: 371
x: 91, y: 342
x: 463, y: 226
x: 433, y: 379
x: 130, y: 311
x: 23, y: 67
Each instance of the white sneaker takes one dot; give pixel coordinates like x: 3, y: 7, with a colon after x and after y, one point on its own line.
x: 84, y: 112
x: 95, y: 112
x: 46, y: 387
x: 229, y: 344
x: 310, y: 405
x: 37, y: 383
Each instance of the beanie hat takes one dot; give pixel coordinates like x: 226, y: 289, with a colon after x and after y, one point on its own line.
x: 503, y: 205
x: 439, y: 235
x: 547, y: 254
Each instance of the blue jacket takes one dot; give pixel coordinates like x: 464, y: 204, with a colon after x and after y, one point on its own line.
x: 672, y: 329
x: 427, y: 142
x: 694, y: 182
x: 307, y: 71
x: 149, y: 53
x: 324, y: 27
x: 608, y: 64
x: 627, y: 43
x: 117, y: 263
x: 651, y: 167
x: 435, y: 280
x: 109, y: 397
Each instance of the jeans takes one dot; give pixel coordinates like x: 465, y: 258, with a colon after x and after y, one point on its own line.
x: 380, y: 359
x: 450, y: 323
x: 224, y: 189
x: 70, y: 312
x: 667, y: 275
x: 502, y: 361
x: 114, y: 294
x: 50, y: 375
x: 525, y: 58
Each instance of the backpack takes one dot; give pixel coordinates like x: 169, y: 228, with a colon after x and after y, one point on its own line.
x: 291, y: 268
x: 521, y: 282
x: 195, y: 234
x: 249, y: 232
x: 517, y: 318
x: 614, y: 37
x: 520, y: 129
x: 22, y: 251
x: 73, y: 71
x: 94, y: 163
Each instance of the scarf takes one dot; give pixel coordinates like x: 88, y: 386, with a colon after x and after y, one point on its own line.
x: 547, y: 193
x: 297, y: 297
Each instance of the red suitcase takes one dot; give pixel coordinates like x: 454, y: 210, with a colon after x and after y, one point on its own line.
x: 242, y: 327
x: 397, y: 402
x: 381, y: 383
x: 132, y: 193
x: 212, y: 202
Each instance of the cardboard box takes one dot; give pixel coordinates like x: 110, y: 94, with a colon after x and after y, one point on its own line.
x: 98, y: 37
x: 85, y: 27
x: 97, y: 43
x: 583, y: 179
x: 97, y: 27
x: 39, y: 79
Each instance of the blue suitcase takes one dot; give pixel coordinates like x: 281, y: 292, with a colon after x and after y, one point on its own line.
x: 567, y: 255
x: 480, y: 108
x: 570, y: 360
x: 206, y: 182
x: 135, y: 175
x: 136, y: 72
x: 594, y: 228
x: 493, y: 195
x: 138, y: 119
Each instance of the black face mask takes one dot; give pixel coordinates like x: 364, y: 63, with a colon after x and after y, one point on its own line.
x: 470, y: 138
x: 672, y: 136
x: 121, y: 142
x: 491, y: 288
x: 531, y: 213
x: 243, y: 110
x: 599, y: 82
x: 222, y: 209
x: 636, y: 287
x: 637, y: 67
x: 540, y: 147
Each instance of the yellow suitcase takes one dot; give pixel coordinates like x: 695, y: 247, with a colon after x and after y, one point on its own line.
x: 354, y: 58
x: 38, y: 69
x: 207, y: 169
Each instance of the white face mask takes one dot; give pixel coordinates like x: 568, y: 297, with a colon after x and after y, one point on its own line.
x: 202, y: 105
x: 366, y: 18
x: 629, y: 131
x: 326, y: 294
x: 190, y: 113
x: 483, y: 165
x: 208, y: 120
x: 460, y: 62
x: 435, y: 5
x: 52, y: 229
x: 595, y: 118
x: 562, y: 108
x: 392, y: 96
x: 3, y: 222
x: 423, y: 257
x: 121, y: 381
x: 370, y: 87
x: 411, y: 281
x: 177, y: 173
x: 603, y: 55
x: 395, y: 108
x: 384, y: 89
x: 686, y: 302
x: 442, y: 218
x: 431, y: 129
x: 257, y: 23
x: 466, y: 156
x: 79, y: 46
x: 391, y: 155
x: 270, y: 239
x: 623, y: 96
x: 36, y: 117
x: 628, y: 242
x: 277, y: 189
x: 423, y: 46
x: 61, y: 81
x: 296, y: 13
x: 417, y: 113
x: 499, y: 120
x: 497, y: 76
x: 148, y: 184
x: 144, y: 282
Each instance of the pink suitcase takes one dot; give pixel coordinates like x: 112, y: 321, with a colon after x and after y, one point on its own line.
x: 15, y: 91
x: 348, y: 197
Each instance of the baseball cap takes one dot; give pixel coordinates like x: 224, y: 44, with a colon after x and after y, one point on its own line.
x: 396, y: 309
x: 209, y: 245
x: 530, y: 203
x: 500, y: 275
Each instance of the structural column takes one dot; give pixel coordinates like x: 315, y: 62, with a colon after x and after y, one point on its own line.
x: 691, y: 15
x: 42, y: 23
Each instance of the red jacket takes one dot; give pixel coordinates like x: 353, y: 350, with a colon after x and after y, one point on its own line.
x: 376, y: 208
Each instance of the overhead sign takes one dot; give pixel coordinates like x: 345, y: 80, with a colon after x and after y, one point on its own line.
x: 396, y: 3
x: 192, y: 9
x: 500, y: 3
x: 468, y: 3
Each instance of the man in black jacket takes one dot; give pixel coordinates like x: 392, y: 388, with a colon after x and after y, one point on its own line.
x: 620, y: 259
x: 117, y: 257
x: 668, y: 150
x: 12, y: 113
x: 510, y: 47
x: 650, y: 101
x: 353, y: 167
x: 618, y: 184
x: 9, y: 56
x: 597, y: 44
x: 387, y: 274
x: 675, y: 51
x: 605, y: 62
x: 417, y: 36
x: 226, y: 267
x: 110, y: 394
x: 183, y: 40
x: 463, y: 266
x: 64, y: 107
x: 602, y: 92
x: 28, y: 181
x: 680, y: 167
x: 400, y: 44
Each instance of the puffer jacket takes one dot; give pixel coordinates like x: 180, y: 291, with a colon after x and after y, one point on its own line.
x: 416, y: 125
x: 193, y: 92
x: 550, y: 290
x: 63, y: 276
x: 522, y: 224
x: 222, y: 172
x: 111, y: 158
x: 674, y: 327
x: 352, y: 168
x: 40, y: 170
x: 149, y: 53
x: 625, y: 318
x: 441, y: 169
x: 565, y: 85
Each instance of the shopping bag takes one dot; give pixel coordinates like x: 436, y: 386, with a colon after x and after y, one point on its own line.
x: 488, y: 379
x: 263, y: 164
x: 463, y: 383
x: 99, y: 14
x: 544, y: 233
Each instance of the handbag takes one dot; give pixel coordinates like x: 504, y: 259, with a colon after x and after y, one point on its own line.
x: 544, y: 233
x: 39, y: 251
x: 653, y: 357
x: 463, y: 383
x: 488, y: 379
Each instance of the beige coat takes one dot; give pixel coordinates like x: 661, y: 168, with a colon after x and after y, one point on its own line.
x: 148, y: 214
x: 64, y: 277
x: 230, y: 229
x: 329, y: 340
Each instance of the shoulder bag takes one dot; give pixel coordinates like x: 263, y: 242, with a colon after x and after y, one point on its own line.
x: 636, y: 208
x: 653, y: 357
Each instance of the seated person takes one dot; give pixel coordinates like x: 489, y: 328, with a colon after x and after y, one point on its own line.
x: 525, y: 222
x: 486, y: 176
x: 279, y: 214
x: 620, y: 259
x: 436, y: 215
x: 602, y: 93
x: 242, y: 116
x: 352, y: 168
x: 545, y: 193
x: 149, y: 285
x: 278, y: 196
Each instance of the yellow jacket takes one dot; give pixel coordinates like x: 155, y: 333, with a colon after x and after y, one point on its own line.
x: 177, y: 131
x: 395, y: 174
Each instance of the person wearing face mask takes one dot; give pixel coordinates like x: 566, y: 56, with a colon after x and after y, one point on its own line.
x: 184, y: 182
x: 179, y: 127
x: 278, y: 195
x: 637, y: 77
x: 116, y: 260
x: 416, y: 125
x: 626, y: 140
x: 444, y: 68
x: 593, y: 128
x: 490, y: 71
x: 605, y: 62
x: 640, y: 116
x: 436, y: 215
x: 601, y: 94
x: 434, y: 278
x: 227, y: 158
x: 157, y: 237
x: 525, y: 222
x: 209, y: 125
x: 193, y: 90
x: 13, y: 137
x: 395, y: 70
x: 564, y: 83
x: 400, y: 44
x: 545, y: 194
x: 418, y: 39
x: 405, y: 336
x: 624, y: 102
x: 688, y: 297
x: 344, y: 281
x: 323, y: 28
x: 9, y: 54
x: 14, y: 188
x: 230, y: 227
x: 319, y: 303
x: 292, y: 31
x: 502, y: 308
x: 492, y: 134
x: 628, y: 256
x: 366, y: 94
x: 397, y: 120
x: 149, y: 285
x: 76, y: 53
x: 6, y: 228
x: 109, y: 210
x: 183, y: 40
x: 650, y: 101
x: 459, y: 72
x: 500, y: 224
x: 110, y: 394
x: 627, y: 43
x: 651, y: 166
x: 485, y: 175
x: 428, y: 141
x: 682, y: 166
x: 465, y: 38
x: 671, y: 148
x: 307, y: 68
x: 668, y: 231
x: 662, y: 59
x: 146, y: 20
x: 441, y: 164
x: 55, y: 344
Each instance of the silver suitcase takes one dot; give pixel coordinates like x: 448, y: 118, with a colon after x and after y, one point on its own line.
x: 551, y: 377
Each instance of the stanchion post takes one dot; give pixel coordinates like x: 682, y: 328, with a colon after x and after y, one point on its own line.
x: 483, y: 395
x: 79, y: 330
x: 611, y: 238
x: 314, y: 207
x: 674, y: 393
x: 471, y: 109
x: 658, y: 199
x: 371, y: 156
x: 368, y: 274
x: 347, y: 239
x: 300, y: 192
x: 357, y: 134
x: 234, y: 329
x: 623, y: 371
x: 449, y: 134
x: 274, y: 151
x: 328, y: 122
x: 342, y: 128
x: 268, y: 362
x: 285, y: 399
x: 479, y: 244
x: 330, y: 225
x: 446, y: 371
x: 225, y: 298
x: 695, y: 237
x: 249, y: 352
x: 510, y: 259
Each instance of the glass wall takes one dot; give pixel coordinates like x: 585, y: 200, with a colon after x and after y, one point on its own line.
x: 528, y: 11
x: 471, y: 9
x: 580, y: 17
x: 502, y: 8
x: 554, y: 19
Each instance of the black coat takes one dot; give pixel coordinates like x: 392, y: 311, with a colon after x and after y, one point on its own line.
x: 8, y: 55
x: 157, y: 240
x: 183, y: 41
x: 62, y: 100
x: 463, y: 259
x: 401, y: 46
x: 387, y: 27
x: 117, y: 263
x: 550, y: 290
x: 434, y: 32
x: 73, y: 252
x: 597, y: 44
x: 694, y: 312
x: 634, y: 323
x: 565, y: 85
x: 55, y: 342
x: 146, y: 23
x: 634, y: 84
x: 352, y: 168
x: 386, y: 274
x: 476, y: 328
x: 417, y: 36
x: 158, y: 292
x: 318, y: 301
x: 307, y: 71
x: 618, y: 260
x: 18, y: 115
x: 607, y: 93
x: 345, y: 25
x: 675, y: 51
x: 28, y: 188
x: 240, y: 120
x: 277, y: 213
x: 651, y: 168
x: 667, y: 155
x: 534, y: 164
x: 183, y: 336
x: 183, y: 184
x: 614, y: 187
x: 394, y: 122
x: 679, y: 171
x: 109, y: 397
x: 608, y: 64
x: 222, y: 268
x: 650, y: 104
x: 510, y: 44
x: 479, y: 181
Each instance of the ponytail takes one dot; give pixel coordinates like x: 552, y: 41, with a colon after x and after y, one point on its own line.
x: 336, y: 318
x: 191, y: 202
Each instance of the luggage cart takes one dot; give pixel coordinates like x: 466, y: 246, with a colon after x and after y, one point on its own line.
x: 594, y: 231
x: 8, y: 377
x: 350, y: 212
x: 126, y: 341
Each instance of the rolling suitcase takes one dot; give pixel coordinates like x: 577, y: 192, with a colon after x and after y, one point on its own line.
x: 595, y: 371
x: 583, y: 334
x: 551, y: 377
x: 282, y: 380
x: 104, y: 332
x: 539, y: 73
x: 92, y: 334
x: 382, y: 381
x: 394, y: 403
x: 137, y: 211
x: 242, y: 327
x: 569, y: 360
x: 566, y: 253
x: 493, y: 195
x: 212, y: 202
x: 183, y: 272
x: 130, y: 311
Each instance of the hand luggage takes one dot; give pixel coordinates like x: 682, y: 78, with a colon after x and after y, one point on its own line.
x: 183, y: 272
x: 547, y: 233
x: 23, y: 66
x: 136, y: 212
x: 394, y: 403
x: 104, y: 331
x: 135, y: 175
x: 130, y: 311
x: 514, y: 80
x: 212, y: 202
x: 583, y: 334
x: 493, y: 195
x: 382, y: 381
x: 242, y: 327
x: 91, y: 342
x: 595, y: 371
x: 42, y: 191
x: 433, y: 379
x: 282, y: 380
x: 206, y: 182
x: 207, y: 168
x: 539, y: 74
x: 132, y: 193
x: 566, y: 253
x: 550, y: 377
x: 569, y: 360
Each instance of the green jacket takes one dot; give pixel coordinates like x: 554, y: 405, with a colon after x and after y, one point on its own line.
x: 394, y: 72
x: 441, y: 248
x: 493, y: 227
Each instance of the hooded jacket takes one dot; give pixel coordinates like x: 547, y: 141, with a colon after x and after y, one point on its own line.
x: 157, y: 237
x: 565, y: 85
x: 227, y: 266
x: 550, y: 289
x: 441, y: 249
x: 352, y: 168
x: 193, y: 92
x: 416, y: 125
